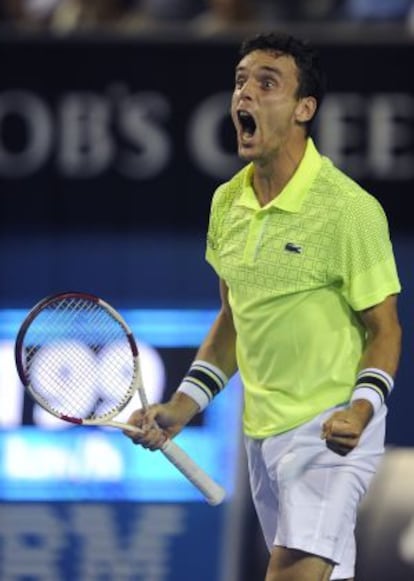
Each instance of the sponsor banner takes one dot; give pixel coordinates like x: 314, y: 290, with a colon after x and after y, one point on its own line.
x: 44, y: 458
x: 98, y: 134
x: 104, y: 541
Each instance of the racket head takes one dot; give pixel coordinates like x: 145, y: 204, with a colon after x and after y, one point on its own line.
x: 77, y: 358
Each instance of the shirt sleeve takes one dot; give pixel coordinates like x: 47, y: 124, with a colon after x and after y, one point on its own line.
x: 366, y: 258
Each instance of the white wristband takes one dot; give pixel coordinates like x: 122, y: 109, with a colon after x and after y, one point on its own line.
x: 373, y: 385
x: 203, y: 382
x: 195, y: 393
x: 369, y: 395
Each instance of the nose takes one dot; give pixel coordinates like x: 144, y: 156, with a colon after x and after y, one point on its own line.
x: 246, y: 90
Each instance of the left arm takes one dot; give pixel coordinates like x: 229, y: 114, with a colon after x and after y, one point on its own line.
x: 343, y: 429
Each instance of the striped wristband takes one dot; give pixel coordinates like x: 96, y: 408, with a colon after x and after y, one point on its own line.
x: 203, y: 382
x: 374, y: 385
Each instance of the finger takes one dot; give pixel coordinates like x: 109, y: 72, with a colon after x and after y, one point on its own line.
x: 152, y: 439
x: 136, y: 418
x: 131, y: 428
x: 344, y: 429
x: 324, y: 433
x: 326, y: 430
x: 328, y: 424
x: 149, y: 419
x: 339, y: 434
x: 132, y: 431
x: 342, y: 443
x: 136, y: 429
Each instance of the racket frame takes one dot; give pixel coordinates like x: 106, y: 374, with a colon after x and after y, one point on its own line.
x: 213, y: 492
x: 136, y: 384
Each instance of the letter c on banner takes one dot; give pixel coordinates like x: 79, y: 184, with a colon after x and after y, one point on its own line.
x: 204, y: 137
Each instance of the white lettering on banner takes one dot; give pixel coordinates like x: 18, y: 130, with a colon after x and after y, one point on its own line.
x: 146, y: 554
x: 38, y: 542
x: 369, y: 137
x: 204, y: 137
x: 89, y: 126
x: 11, y: 390
x: 24, y: 461
x: 152, y: 146
x: 392, y: 136
x: 32, y: 538
x: 86, y: 148
x: 32, y: 112
x: 340, y: 131
x: 94, y: 132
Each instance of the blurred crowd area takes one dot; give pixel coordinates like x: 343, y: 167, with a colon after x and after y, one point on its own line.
x: 201, y: 16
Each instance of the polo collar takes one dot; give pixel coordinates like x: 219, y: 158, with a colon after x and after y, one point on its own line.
x: 293, y: 194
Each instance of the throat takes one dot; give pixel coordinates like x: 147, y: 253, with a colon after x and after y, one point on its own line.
x: 271, y: 177
x: 267, y: 189
x: 265, y: 199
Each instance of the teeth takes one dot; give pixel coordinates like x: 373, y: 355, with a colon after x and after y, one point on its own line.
x: 243, y: 115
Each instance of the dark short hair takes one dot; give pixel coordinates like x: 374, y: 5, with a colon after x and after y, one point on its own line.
x: 312, y: 79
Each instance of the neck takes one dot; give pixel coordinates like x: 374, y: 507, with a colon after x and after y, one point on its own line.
x: 271, y: 176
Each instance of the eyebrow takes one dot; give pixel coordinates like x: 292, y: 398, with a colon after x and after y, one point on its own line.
x: 264, y: 68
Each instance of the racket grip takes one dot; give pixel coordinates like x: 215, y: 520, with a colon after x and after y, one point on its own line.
x: 213, y: 492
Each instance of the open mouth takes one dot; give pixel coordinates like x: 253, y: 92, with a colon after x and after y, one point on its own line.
x: 247, y: 123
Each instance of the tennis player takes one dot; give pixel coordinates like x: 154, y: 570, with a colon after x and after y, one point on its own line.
x: 309, y: 319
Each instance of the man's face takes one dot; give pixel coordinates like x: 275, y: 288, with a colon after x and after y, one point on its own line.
x: 264, y: 104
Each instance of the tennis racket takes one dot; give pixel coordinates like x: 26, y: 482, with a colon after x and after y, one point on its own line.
x: 98, y: 375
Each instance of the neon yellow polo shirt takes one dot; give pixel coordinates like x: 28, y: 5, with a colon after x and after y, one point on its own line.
x: 298, y: 269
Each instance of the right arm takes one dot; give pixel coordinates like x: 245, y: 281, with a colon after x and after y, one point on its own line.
x: 218, y: 349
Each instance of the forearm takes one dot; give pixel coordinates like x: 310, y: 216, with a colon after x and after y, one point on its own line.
x: 383, y: 351
x: 380, y: 359
x: 185, y: 406
x: 214, y: 364
x: 219, y: 347
x: 378, y: 366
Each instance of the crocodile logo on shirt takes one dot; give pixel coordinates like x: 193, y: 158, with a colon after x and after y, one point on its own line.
x: 292, y: 247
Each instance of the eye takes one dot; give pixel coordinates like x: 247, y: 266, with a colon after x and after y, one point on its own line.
x: 268, y: 83
x: 239, y: 82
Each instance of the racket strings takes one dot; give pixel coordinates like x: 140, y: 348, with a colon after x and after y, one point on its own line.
x: 79, y: 359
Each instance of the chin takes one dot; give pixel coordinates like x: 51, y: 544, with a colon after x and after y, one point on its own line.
x: 246, y: 154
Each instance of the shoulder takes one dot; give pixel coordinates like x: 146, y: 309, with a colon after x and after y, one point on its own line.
x: 349, y: 195
x: 228, y: 192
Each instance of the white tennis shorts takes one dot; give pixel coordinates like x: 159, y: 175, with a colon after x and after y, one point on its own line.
x: 306, y: 496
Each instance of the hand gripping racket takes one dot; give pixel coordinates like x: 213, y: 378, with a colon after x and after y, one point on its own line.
x: 78, y: 359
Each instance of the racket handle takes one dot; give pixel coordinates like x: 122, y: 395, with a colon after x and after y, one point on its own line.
x: 213, y: 492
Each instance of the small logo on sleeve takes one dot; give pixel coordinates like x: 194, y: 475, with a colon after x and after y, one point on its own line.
x: 292, y: 247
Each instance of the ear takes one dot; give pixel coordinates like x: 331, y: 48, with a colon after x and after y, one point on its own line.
x: 305, y: 109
